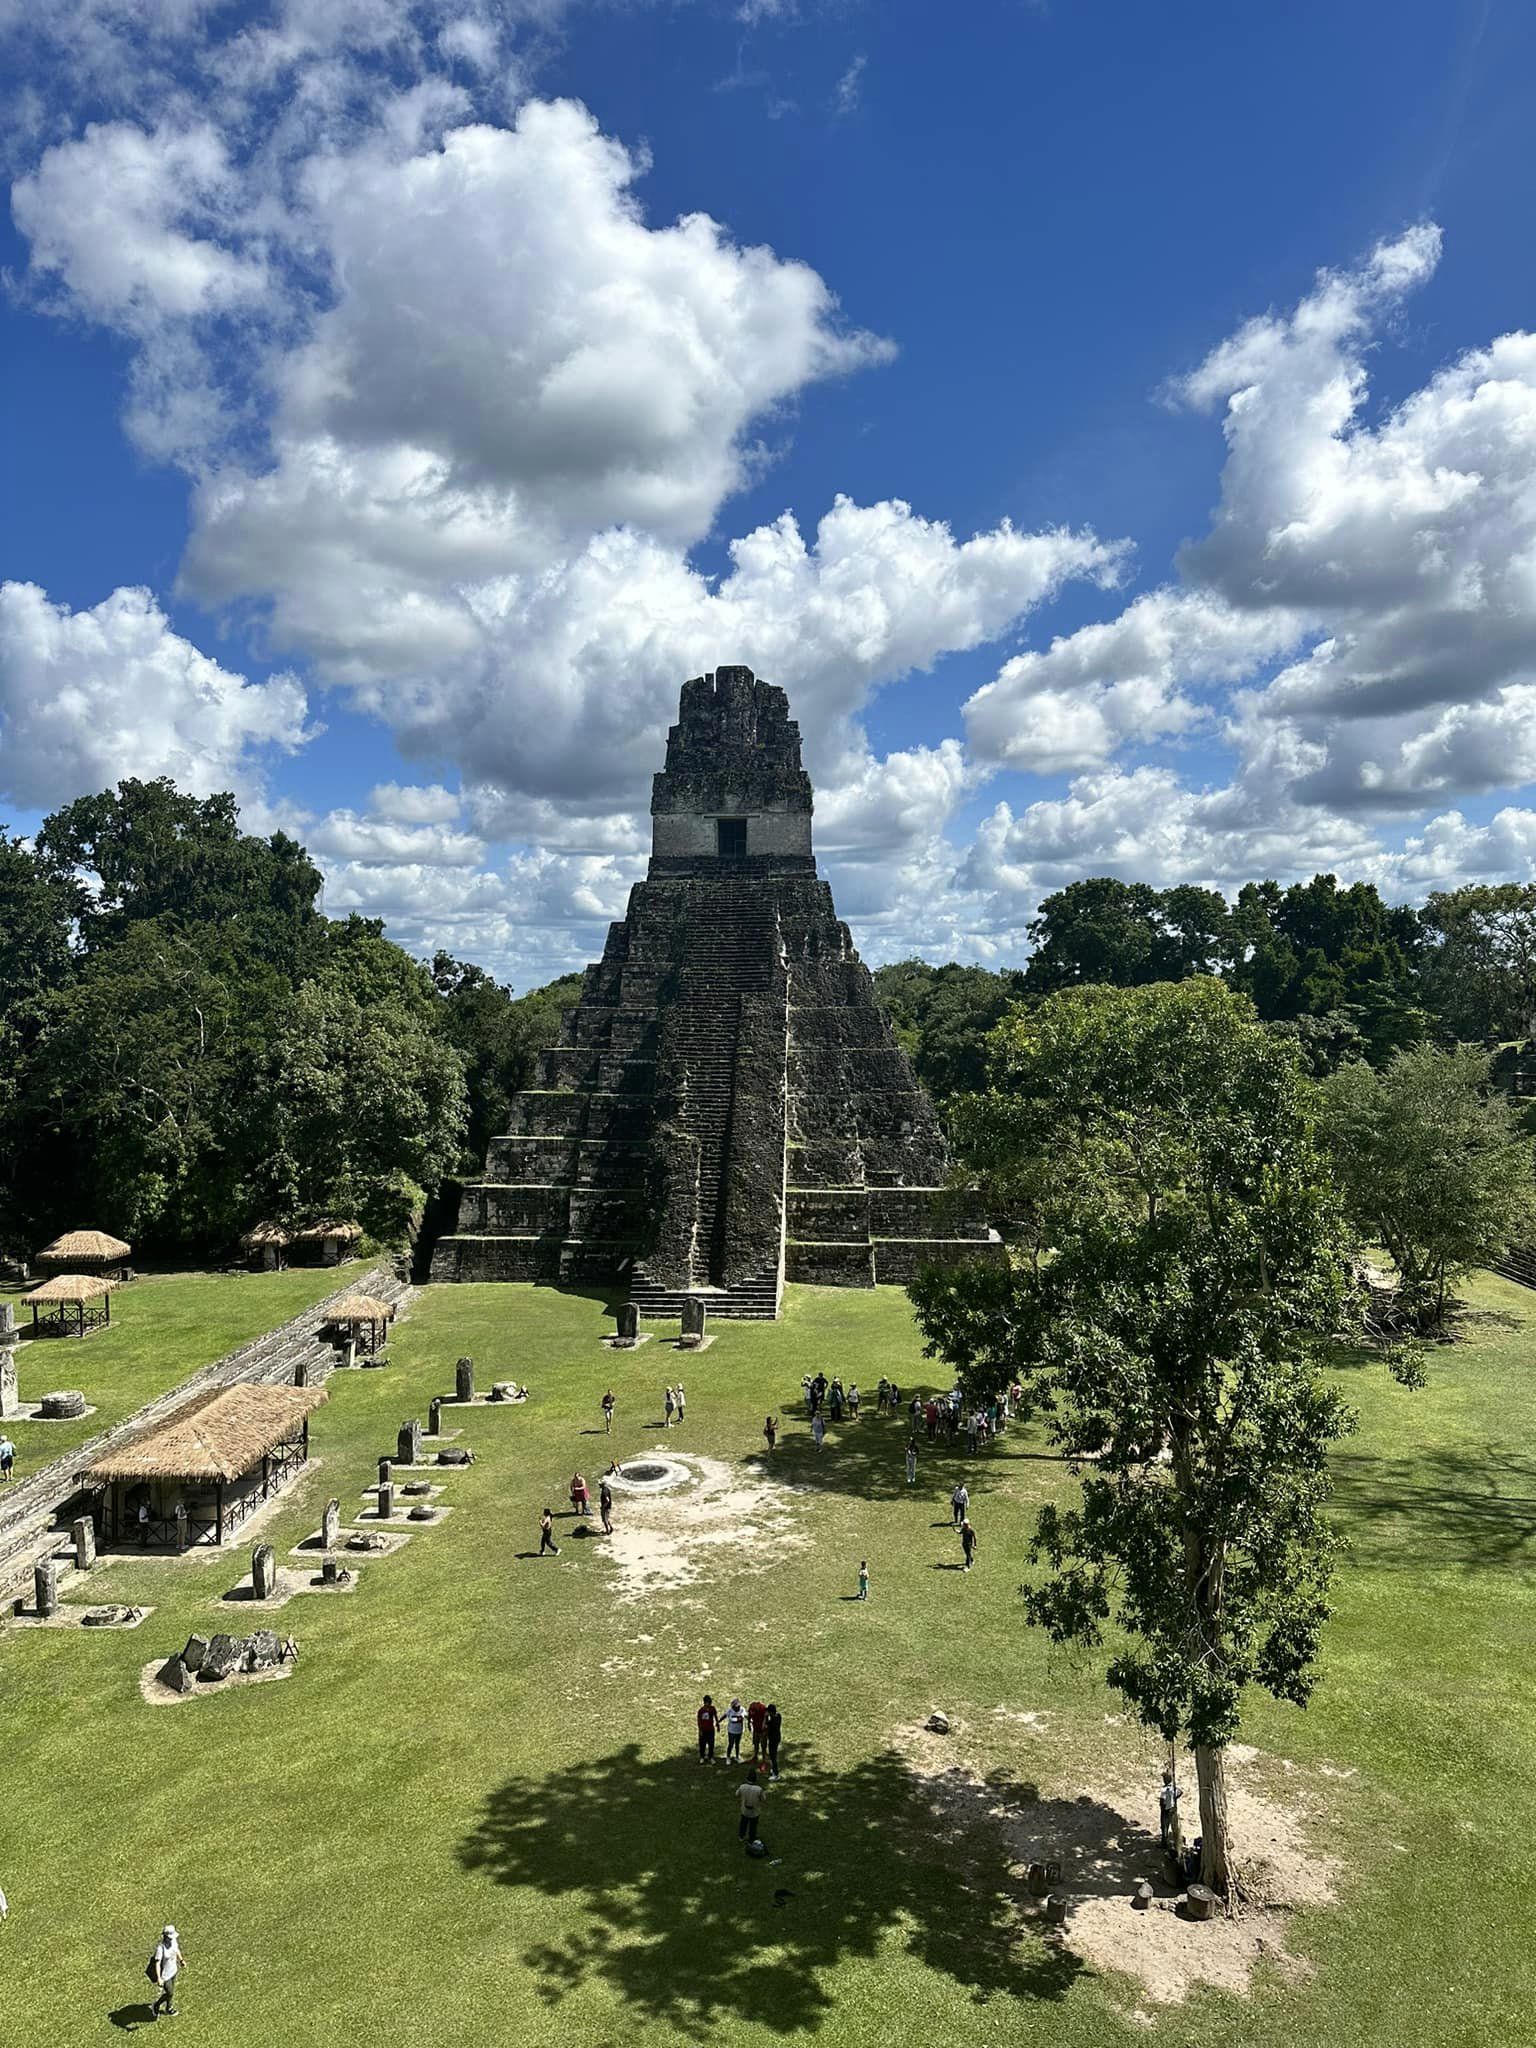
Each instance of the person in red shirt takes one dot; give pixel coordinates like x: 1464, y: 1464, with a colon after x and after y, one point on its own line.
x: 708, y: 1721
x: 757, y: 1714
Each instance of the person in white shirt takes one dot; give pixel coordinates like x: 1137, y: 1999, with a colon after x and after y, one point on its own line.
x: 167, y: 1964
x: 735, y: 1728
x: 959, y: 1501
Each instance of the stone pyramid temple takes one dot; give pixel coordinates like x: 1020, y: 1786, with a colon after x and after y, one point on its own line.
x: 727, y: 1107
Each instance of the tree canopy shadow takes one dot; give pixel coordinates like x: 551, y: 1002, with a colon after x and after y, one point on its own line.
x: 868, y: 1457
x: 1474, y: 1508
x: 686, y: 1929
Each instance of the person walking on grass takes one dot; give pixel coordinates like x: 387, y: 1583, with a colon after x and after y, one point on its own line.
x: 757, y: 1714
x: 682, y: 1402
x: 959, y: 1502
x: 671, y: 1405
x: 968, y: 1542
x: 7, y: 1458
x: 609, y: 1404
x: 605, y: 1505
x: 818, y: 1430
x: 166, y: 1964
x: 912, y: 1461
x: 708, y: 1721
x: 882, y: 1393
x: 547, y: 1533
x: 735, y: 1728
x: 863, y: 1578
x: 853, y: 1400
x: 773, y: 1729
x: 749, y: 1803
x: 770, y: 1432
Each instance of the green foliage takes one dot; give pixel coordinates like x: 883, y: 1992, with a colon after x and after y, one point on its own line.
x: 1123, y: 934
x: 499, y: 1036
x: 192, y: 1048
x: 1433, y: 1164
x: 1195, y: 1257
x: 156, y: 853
x: 941, y: 1016
x: 1481, y: 964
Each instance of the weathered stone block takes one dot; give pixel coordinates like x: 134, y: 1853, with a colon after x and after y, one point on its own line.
x: 45, y: 1587
x: 464, y: 1379
x: 195, y: 1655
x: 221, y: 1658
x: 408, y: 1444
x: 175, y: 1674
x: 263, y: 1572
x: 330, y: 1524
x: 83, y: 1536
x: 66, y: 1406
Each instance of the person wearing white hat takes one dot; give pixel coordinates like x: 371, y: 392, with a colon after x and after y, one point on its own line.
x: 165, y: 1966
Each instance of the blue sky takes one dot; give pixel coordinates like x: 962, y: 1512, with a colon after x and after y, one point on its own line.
x: 1115, y: 425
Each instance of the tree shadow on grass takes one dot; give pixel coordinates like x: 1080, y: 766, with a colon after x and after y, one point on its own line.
x: 1434, y: 1508
x: 676, y: 1920
x: 869, y: 1458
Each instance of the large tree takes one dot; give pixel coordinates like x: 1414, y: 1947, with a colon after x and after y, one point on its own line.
x: 1481, y: 965
x: 1170, y: 1338
x: 1434, y: 1166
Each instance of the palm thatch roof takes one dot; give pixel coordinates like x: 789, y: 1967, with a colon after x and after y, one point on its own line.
x: 361, y: 1308
x: 266, y: 1233
x: 217, y: 1435
x: 85, y: 1244
x: 313, y: 1231
x: 70, y: 1287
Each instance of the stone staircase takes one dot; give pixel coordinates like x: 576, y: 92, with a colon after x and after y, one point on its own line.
x: 30, y: 1525
x: 734, y: 954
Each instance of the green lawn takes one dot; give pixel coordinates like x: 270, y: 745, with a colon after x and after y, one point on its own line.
x: 473, y: 1814
x: 164, y: 1326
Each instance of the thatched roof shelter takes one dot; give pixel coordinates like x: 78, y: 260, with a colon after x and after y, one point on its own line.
x: 215, y: 1436
x: 362, y: 1308
x: 55, y: 1299
x: 313, y: 1233
x: 266, y: 1233
x: 84, y: 1251
x: 69, y: 1287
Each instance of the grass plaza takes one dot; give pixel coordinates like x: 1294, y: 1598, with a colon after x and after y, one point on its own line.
x: 475, y: 1810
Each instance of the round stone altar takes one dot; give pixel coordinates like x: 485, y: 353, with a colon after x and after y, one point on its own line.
x: 650, y: 1475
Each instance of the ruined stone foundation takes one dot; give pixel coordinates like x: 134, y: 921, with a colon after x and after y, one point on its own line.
x: 727, y: 1107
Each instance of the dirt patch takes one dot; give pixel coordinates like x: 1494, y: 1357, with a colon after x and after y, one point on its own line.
x: 723, y: 1525
x: 154, y: 1694
x: 1101, y: 1834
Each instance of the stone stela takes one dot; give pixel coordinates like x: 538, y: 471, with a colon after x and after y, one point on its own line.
x: 727, y: 1107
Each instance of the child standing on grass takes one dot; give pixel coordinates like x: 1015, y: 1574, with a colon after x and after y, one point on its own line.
x: 770, y: 1432
x: 547, y: 1533
x: 735, y: 1728
x: 912, y: 1461
x: 863, y: 1578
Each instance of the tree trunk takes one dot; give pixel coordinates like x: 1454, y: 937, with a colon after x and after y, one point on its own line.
x: 1211, y: 1772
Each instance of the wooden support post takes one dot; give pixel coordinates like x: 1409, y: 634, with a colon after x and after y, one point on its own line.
x: 219, y: 1503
